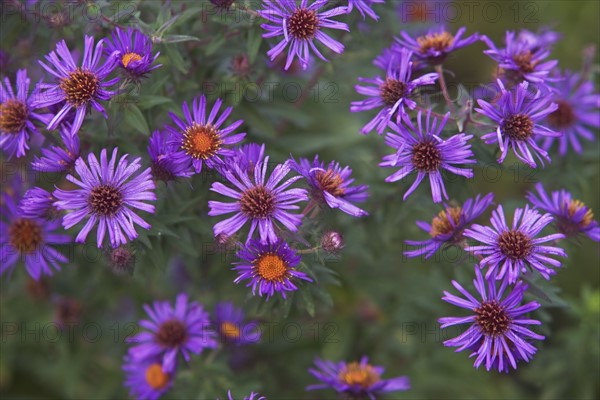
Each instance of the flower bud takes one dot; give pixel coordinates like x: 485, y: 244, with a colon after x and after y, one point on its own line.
x: 332, y: 242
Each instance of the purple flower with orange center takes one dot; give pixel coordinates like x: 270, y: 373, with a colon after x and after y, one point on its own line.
x: 17, y: 119
x: 269, y: 267
x: 59, y: 158
x: 357, y: 379
x: 447, y: 227
x: 364, y: 7
x: 435, y: 46
x: 171, y: 330
x: 79, y: 87
x: 571, y: 215
x: 498, y: 334
x: 146, y: 380
x: 508, y: 251
x: 232, y: 326
x: 300, y: 25
x: 134, y: 52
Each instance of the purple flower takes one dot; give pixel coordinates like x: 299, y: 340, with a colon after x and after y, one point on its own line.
x: 516, y: 115
x: 572, y: 216
x: 146, y: 380
x: 300, y: 26
x: 390, y: 94
x: 107, y: 195
x: 331, y: 185
x: 544, y: 38
x: 199, y: 139
x: 577, y: 112
x: 427, y: 153
x: 258, y: 200
x: 232, y: 327
x: 356, y: 379
x: 38, y: 203
x: 183, y: 328
x: 364, y: 7
x: 509, y: 250
x: 163, y: 165
x: 79, y: 87
x: 447, y: 227
x: 519, y: 60
x: 17, y: 116
x: 252, y: 396
x: 436, y: 44
x: 498, y: 333
x: 134, y: 52
x: 246, y: 157
x: 269, y: 267
x: 56, y: 158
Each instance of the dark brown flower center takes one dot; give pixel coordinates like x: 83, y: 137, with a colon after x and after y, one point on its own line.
x: 271, y: 267
x: 492, y: 318
x: 515, y: 244
x: 303, y: 24
x: 172, y: 333
x: 426, y: 157
x: 201, y: 141
x: 224, y: 4
x: 330, y: 181
x: 257, y: 202
x: 80, y: 87
x: 13, y: 116
x: 524, y: 62
x: 355, y: 374
x: 518, y: 127
x: 440, y: 225
x: 105, y: 200
x: 564, y: 116
x: 392, y: 90
x: 25, y: 235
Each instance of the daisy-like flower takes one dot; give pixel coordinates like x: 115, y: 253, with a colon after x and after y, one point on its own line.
x: 108, y: 193
x: 79, y: 87
x: 146, y: 380
x: 252, y: 396
x: 498, y: 333
x: 58, y: 158
x: 231, y: 326
x: 364, y: 7
x: 258, y: 200
x: 300, y: 26
x: 171, y: 330
x: 519, y: 61
x: 134, y: 52
x: 435, y: 46
x: 17, y: 119
x: 577, y: 112
x: 447, y: 227
x: 571, y: 215
x: 38, y: 203
x: 427, y: 153
x: 162, y: 163
x: 357, y: 379
x: 331, y: 185
x: 30, y: 239
x: 246, y: 157
x: 544, y: 38
x: 516, y: 114
x: 199, y: 139
x: 269, y: 267
x: 391, y: 94
x: 509, y: 250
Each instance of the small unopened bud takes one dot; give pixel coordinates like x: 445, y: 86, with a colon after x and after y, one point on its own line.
x: 68, y: 311
x: 224, y: 243
x: 332, y: 242
x: 241, y: 65
x: 122, y: 260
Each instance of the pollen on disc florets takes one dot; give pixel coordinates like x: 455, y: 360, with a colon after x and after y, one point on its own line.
x: 426, y: 156
x: 492, y: 318
x: 13, y: 116
x: 518, y: 127
x: 355, y: 374
x: 392, y: 90
x: 156, y: 377
x: 271, y: 267
x: 515, y: 244
x: 524, y: 61
x: 25, y: 235
x: 330, y: 181
x: 105, y: 200
x: 130, y: 57
x: 303, y: 24
x: 80, y: 87
x: 440, y: 225
x: 201, y: 141
x: 257, y: 202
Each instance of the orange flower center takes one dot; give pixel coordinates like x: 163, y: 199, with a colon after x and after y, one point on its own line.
x: 80, y: 87
x: 230, y: 330
x: 331, y: 182
x: 201, y: 141
x: 271, y: 267
x: 440, y: 225
x: 156, y: 377
x: 129, y: 57
x: 576, y: 205
x: 356, y: 374
x: 435, y: 41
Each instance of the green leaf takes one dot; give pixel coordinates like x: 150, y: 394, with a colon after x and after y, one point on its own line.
x: 149, y: 101
x: 135, y: 119
x: 253, y: 44
x: 214, y: 45
x: 176, y: 58
x: 178, y: 38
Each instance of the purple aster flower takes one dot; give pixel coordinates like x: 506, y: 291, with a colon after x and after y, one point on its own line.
x: 258, y: 200
x: 572, y: 216
x: 164, y: 166
x: 17, y: 116
x: 519, y: 61
x: 146, y: 380
x: 447, y: 227
x: 56, y: 158
x: 498, y: 333
x: 108, y: 193
x: 517, y: 114
x: 300, y: 26
x: 509, y: 250
x: 577, y: 112
x: 252, y: 396
x: 79, y: 87
x: 364, y: 7
x: 38, y: 203
x: 269, y: 267
x: 246, y: 157
x: 232, y: 327
x: 427, y: 153
x: 199, y: 139
x: 183, y: 328
x: 356, y: 379
x: 134, y: 52
x: 435, y: 46
x: 29, y: 239
x: 331, y: 185
x: 391, y: 94
x: 544, y: 38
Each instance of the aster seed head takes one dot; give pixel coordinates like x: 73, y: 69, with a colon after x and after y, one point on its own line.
x: 25, y: 235
x: 564, y: 116
x: 257, y: 202
x: 105, y: 200
x: 392, y: 90
x: 518, y: 127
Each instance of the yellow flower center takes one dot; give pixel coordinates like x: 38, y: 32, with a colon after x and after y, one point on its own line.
x: 356, y: 374
x: 271, y: 267
x: 156, y: 377
x: 129, y: 57
x: 435, y: 41
x: 440, y: 225
x: 230, y: 330
x: 201, y: 141
x: 576, y: 205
